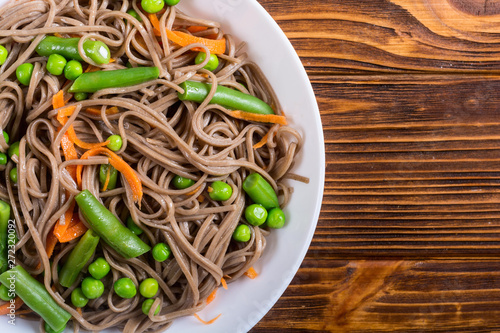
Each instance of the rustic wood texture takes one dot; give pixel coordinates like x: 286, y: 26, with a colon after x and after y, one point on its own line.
x: 409, y: 235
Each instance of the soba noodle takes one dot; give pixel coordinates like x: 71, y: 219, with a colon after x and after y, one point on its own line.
x: 162, y: 137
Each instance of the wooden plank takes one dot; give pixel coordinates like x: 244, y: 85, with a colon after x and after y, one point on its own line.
x: 413, y: 166
x: 389, y: 296
x: 349, y: 36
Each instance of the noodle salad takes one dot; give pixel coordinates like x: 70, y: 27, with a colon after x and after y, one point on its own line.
x: 143, y: 162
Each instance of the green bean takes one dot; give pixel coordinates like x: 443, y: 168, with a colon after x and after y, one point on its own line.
x: 36, y: 297
x: 111, y: 230
x: 4, y: 233
x: 94, y: 81
x: 68, y: 48
x: 229, y: 98
x: 260, y: 191
x: 78, y: 258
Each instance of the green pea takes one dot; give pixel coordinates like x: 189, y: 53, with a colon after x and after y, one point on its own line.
x: 133, y: 226
x: 146, y: 306
x: 125, y: 288
x: 182, y: 183
x: 3, y: 159
x: 24, y: 72
x: 213, y: 61
x: 5, y: 135
x: 14, y: 149
x: 220, y: 191
x: 73, y: 70
x: 152, y: 6
x: 13, y: 175
x: 99, y: 268
x: 172, y: 2
x: 134, y: 14
x: 92, y: 288
x: 276, y: 218
x: 256, y: 214
x: 113, y: 176
x: 78, y: 298
x: 242, y: 233
x: 115, y: 142
x: 6, y: 294
x: 148, y: 288
x: 161, y: 252
x: 49, y: 329
x: 3, y: 54
x: 81, y: 96
x: 56, y: 64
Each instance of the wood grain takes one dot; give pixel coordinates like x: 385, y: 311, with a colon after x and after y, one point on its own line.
x: 408, y: 239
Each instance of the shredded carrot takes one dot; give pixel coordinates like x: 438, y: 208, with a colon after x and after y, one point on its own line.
x: 106, y: 183
x: 79, y: 310
x: 5, y: 308
x: 201, y: 198
x: 58, y: 35
x: 120, y: 165
x: 50, y: 244
x: 211, y: 297
x: 193, y: 191
x: 23, y: 312
x: 224, y: 284
x: 227, y: 277
x: 74, y: 232
x: 251, y: 273
x: 64, y: 223
x: 262, y: 118
x: 215, y: 46
x: 207, y: 322
x: 70, y: 153
x: 85, y: 145
x: 196, y: 28
x: 262, y: 142
x: 97, y: 112
x: 58, y: 100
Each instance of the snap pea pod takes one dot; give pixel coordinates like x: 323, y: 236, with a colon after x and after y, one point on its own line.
x: 94, y: 81
x: 111, y: 230
x: 227, y: 97
x: 4, y: 225
x: 78, y: 257
x: 36, y: 297
x: 113, y: 176
x: 260, y: 191
x: 68, y: 48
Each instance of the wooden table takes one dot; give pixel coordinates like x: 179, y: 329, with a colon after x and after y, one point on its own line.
x: 409, y: 235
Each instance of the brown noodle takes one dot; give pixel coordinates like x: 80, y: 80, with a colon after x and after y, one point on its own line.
x: 162, y: 136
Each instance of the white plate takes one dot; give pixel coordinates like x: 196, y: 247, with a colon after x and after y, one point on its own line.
x: 246, y: 301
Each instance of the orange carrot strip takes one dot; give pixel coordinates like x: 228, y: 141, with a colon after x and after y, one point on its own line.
x: 85, y: 145
x: 207, y: 322
x: 51, y: 244
x: 224, y: 284
x: 215, y: 46
x: 5, y: 308
x: 193, y: 191
x: 262, y: 118
x: 60, y: 228
x: 57, y: 34
x: 97, y: 112
x: 70, y: 153
x: 74, y: 232
x: 251, y: 273
x: 120, y: 165
x: 262, y: 142
x: 79, y: 310
x: 211, y: 297
x: 106, y: 183
x: 201, y: 198
x: 196, y: 28
x: 58, y: 100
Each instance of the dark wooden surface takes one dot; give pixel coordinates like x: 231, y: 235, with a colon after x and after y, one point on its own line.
x: 409, y: 235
